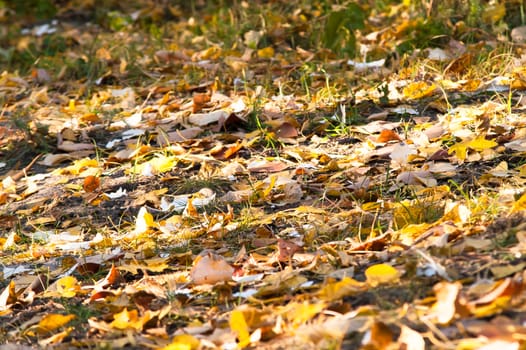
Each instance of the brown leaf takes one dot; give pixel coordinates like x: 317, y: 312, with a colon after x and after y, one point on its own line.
x: 264, y: 166
x: 286, y: 130
x: 287, y: 249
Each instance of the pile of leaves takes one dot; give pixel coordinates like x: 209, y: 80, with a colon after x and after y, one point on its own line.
x: 263, y: 175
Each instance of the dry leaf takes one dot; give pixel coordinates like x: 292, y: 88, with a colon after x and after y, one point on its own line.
x: 211, y: 269
x: 380, y: 274
x: 91, y: 183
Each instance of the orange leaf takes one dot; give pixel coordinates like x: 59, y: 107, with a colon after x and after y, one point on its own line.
x: 225, y: 153
x: 91, y: 183
x: 388, y: 135
x: 200, y: 100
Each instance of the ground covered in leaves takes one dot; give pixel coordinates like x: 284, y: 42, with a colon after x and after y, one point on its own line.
x: 281, y: 175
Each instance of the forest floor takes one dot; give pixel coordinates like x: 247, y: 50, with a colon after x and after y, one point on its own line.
x: 271, y: 175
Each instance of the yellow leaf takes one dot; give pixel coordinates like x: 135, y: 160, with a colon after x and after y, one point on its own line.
x: 127, y: 319
x: 183, y: 342
x: 157, y: 165
x: 460, y: 149
x: 456, y: 212
x: 53, y: 321
x: 8, y: 297
x: 301, y: 313
x: 267, y: 52
x: 519, y: 205
x: 239, y: 325
x: 144, y: 221
x: 80, y: 165
x: 410, y: 232
x: 68, y: 286
x: 381, y: 273
x: 163, y: 164
x: 71, y: 105
x: 266, y: 191
x: 56, y: 338
x: 492, y: 13
x: 480, y: 143
x: 419, y: 89
x: 340, y: 289
x: 212, y: 53
x: 490, y: 309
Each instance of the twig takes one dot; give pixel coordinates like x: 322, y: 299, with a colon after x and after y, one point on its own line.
x: 19, y: 174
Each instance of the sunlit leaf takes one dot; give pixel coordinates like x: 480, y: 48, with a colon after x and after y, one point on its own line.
x: 80, y: 165
x: 56, y: 338
x: 183, y: 342
x: 239, y: 325
x: 337, y: 290
x: 444, y: 308
x: 144, y: 221
x: 51, y: 322
x: 481, y: 143
x: 380, y: 274
x: 519, y: 204
x: 299, y: 313
x: 411, y: 340
x: 68, y: 286
x: 8, y: 296
x: 91, y: 183
x: 419, y: 89
x: 210, y: 269
x: 127, y: 319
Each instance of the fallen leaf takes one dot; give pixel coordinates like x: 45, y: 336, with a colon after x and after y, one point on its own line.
x: 91, y: 183
x: 183, y: 342
x: 444, y: 308
x: 51, y: 322
x: 410, y: 339
x: 211, y: 269
x: 127, y: 320
x: 381, y: 274
x: 388, y: 135
x: 68, y: 286
x: 239, y: 325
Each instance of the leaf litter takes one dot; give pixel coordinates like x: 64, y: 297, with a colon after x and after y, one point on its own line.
x: 259, y: 188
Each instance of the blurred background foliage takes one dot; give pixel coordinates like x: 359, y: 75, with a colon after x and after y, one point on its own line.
x: 333, y: 26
